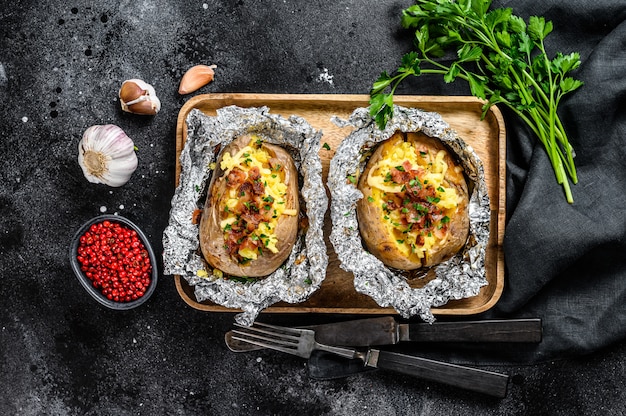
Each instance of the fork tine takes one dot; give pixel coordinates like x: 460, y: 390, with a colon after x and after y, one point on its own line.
x: 277, y: 331
x: 262, y: 337
x: 269, y: 339
x: 272, y: 346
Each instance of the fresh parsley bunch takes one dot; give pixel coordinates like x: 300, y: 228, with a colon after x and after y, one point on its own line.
x: 503, y: 59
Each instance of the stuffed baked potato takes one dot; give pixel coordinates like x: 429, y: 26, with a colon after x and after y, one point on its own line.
x: 414, y: 210
x: 250, y: 219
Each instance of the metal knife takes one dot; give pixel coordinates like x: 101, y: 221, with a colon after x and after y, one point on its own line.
x: 387, y: 331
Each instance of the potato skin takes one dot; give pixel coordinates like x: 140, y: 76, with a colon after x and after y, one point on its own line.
x: 370, y: 215
x: 212, y: 242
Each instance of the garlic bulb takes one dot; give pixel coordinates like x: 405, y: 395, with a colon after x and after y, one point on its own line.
x: 139, y: 97
x: 107, y: 155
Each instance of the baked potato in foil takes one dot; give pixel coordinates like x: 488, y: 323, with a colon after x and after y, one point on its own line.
x: 233, y: 255
x: 409, y: 251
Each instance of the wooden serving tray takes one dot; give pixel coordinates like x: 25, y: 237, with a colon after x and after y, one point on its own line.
x: 337, y: 293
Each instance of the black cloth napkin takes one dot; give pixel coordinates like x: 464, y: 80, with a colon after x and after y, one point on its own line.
x: 566, y: 263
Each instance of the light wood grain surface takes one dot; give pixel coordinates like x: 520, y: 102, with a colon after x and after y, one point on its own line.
x: 337, y: 294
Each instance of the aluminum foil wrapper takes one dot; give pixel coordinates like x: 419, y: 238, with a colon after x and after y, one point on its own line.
x: 305, y: 269
x: 462, y: 275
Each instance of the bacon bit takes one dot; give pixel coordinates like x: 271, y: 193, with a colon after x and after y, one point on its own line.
x: 244, y: 192
x: 415, y: 217
x: 250, y: 227
x: 195, y: 216
x: 254, y: 173
x: 421, y: 221
x: 235, y: 177
x: 231, y: 244
x: 400, y: 177
x: 391, y: 205
x: 252, y: 219
x: 249, y: 244
x: 258, y: 188
x: 426, y: 192
x: 265, y: 215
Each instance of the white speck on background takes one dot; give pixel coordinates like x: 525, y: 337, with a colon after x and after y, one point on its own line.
x: 24, y: 119
x: 121, y: 206
x: 325, y: 77
x: 103, y: 209
x: 3, y: 75
x: 205, y: 6
x: 259, y: 359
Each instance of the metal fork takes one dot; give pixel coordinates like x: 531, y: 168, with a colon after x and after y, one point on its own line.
x: 301, y: 342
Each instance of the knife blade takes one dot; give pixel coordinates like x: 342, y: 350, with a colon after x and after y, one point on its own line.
x: 387, y: 331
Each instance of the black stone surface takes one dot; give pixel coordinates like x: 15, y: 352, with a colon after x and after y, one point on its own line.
x: 61, y: 65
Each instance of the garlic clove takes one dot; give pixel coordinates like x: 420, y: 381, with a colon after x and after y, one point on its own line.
x: 131, y: 90
x: 195, y: 78
x: 139, y: 97
x: 144, y: 107
x: 107, y: 155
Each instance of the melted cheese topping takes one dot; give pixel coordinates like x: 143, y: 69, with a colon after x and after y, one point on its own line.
x: 402, y: 209
x: 273, y: 201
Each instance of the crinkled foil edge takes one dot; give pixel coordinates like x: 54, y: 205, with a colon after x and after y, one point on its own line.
x: 461, y: 276
x: 305, y: 269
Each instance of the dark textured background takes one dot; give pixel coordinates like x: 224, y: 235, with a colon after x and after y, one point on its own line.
x: 61, y: 64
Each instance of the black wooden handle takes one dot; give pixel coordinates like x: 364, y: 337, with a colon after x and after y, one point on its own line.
x: 511, y: 330
x: 473, y: 379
